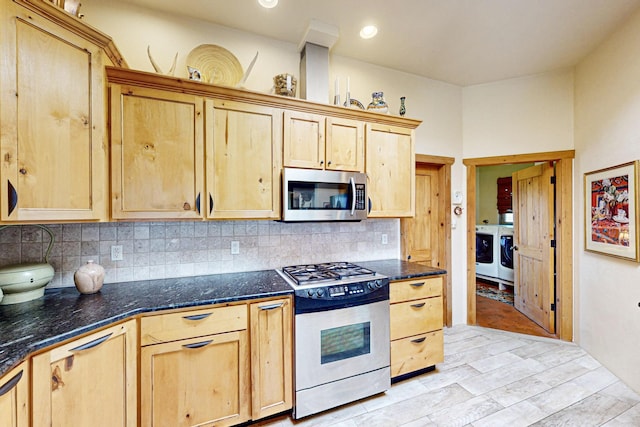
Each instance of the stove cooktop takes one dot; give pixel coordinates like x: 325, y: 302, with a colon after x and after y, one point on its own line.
x: 326, y: 273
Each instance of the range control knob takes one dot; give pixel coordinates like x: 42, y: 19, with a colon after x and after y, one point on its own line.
x: 320, y: 292
x: 310, y: 292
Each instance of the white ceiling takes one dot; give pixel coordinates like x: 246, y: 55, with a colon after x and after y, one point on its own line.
x: 464, y: 42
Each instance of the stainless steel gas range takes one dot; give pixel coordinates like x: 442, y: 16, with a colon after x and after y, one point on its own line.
x: 341, y: 334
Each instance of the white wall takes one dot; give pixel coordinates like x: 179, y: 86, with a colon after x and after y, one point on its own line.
x: 517, y: 116
x: 607, y: 133
x: 437, y: 104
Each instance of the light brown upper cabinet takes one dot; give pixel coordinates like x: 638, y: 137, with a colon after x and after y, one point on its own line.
x: 315, y: 141
x: 52, y: 114
x: 390, y: 167
x: 243, y: 156
x: 157, y: 154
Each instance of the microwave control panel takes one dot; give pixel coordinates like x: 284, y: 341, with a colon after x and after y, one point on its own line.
x: 360, y: 197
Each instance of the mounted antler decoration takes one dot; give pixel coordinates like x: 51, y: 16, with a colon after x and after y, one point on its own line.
x: 157, y: 67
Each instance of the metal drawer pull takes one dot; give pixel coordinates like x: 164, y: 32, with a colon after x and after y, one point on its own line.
x: 422, y: 304
x: 198, y: 344
x: 6, y: 387
x: 272, y: 306
x: 419, y: 340
x: 197, y: 316
x: 93, y: 343
x: 417, y: 285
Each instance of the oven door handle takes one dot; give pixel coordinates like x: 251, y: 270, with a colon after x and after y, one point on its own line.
x: 353, y: 195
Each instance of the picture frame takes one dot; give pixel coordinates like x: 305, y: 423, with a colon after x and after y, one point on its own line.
x: 611, y: 211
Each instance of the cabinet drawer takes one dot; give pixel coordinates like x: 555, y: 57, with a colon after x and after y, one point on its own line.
x: 407, y: 290
x: 189, y: 324
x: 415, y: 317
x: 417, y: 352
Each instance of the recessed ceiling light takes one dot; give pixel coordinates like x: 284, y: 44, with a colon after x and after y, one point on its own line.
x: 368, y: 31
x: 268, y: 3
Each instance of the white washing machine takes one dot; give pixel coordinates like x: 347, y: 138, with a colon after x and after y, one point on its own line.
x: 487, y: 250
x: 505, y: 264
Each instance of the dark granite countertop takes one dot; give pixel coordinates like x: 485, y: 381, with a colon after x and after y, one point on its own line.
x: 63, y: 313
x: 396, y: 269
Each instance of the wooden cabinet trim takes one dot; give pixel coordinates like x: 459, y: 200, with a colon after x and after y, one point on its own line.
x: 157, y: 81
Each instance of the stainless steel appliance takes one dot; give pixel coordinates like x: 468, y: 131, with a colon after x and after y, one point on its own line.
x: 341, y: 335
x: 320, y: 195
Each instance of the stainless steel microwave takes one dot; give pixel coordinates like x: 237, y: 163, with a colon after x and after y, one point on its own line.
x: 320, y: 195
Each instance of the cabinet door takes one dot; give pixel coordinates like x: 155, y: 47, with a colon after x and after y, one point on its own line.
x: 244, y: 152
x: 157, y: 154
x: 345, y: 145
x: 194, y: 382
x: 390, y: 166
x: 88, y: 382
x: 14, y: 397
x: 304, y: 140
x: 52, y: 116
x: 271, y: 348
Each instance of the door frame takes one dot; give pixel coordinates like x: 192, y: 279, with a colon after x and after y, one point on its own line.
x: 444, y: 251
x: 563, y: 224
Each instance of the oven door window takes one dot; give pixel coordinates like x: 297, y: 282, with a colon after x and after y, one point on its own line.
x: 345, y: 342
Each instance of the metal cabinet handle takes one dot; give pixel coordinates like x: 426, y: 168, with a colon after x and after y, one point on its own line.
x: 417, y: 285
x: 93, y: 343
x: 420, y: 305
x: 12, y: 195
x: 210, y: 204
x: 271, y: 306
x: 6, y: 387
x: 419, y: 340
x: 197, y: 316
x: 198, y: 344
x: 198, y: 203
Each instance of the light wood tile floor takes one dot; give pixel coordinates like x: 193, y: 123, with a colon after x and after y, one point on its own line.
x: 495, y: 378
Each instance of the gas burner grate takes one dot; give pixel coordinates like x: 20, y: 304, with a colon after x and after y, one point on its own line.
x: 325, y: 272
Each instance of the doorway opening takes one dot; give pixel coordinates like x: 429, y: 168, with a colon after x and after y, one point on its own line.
x: 560, y: 225
x: 426, y: 237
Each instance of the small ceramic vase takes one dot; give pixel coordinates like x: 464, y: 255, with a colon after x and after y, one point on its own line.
x: 403, y: 109
x: 89, y: 278
x: 377, y: 103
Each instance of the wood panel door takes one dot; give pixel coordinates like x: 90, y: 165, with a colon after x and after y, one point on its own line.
x: 534, y: 267
x: 344, y: 145
x: 390, y: 167
x: 88, y: 382
x: 304, y: 140
x: 271, y: 357
x: 52, y: 114
x: 157, y: 154
x: 14, y: 397
x: 196, y: 382
x: 244, y: 152
x: 423, y: 234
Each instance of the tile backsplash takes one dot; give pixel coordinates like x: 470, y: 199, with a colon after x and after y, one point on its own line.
x: 157, y: 250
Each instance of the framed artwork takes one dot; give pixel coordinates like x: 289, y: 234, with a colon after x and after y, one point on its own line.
x: 611, y: 211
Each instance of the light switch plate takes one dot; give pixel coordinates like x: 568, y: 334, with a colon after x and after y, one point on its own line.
x: 457, y: 197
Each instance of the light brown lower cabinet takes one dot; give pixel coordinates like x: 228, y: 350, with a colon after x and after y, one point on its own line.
x: 14, y: 397
x: 222, y: 365
x: 90, y: 381
x: 416, y: 325
x: 271, y: 357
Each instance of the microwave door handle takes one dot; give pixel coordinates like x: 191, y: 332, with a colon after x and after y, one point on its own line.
x: 353, y: 195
